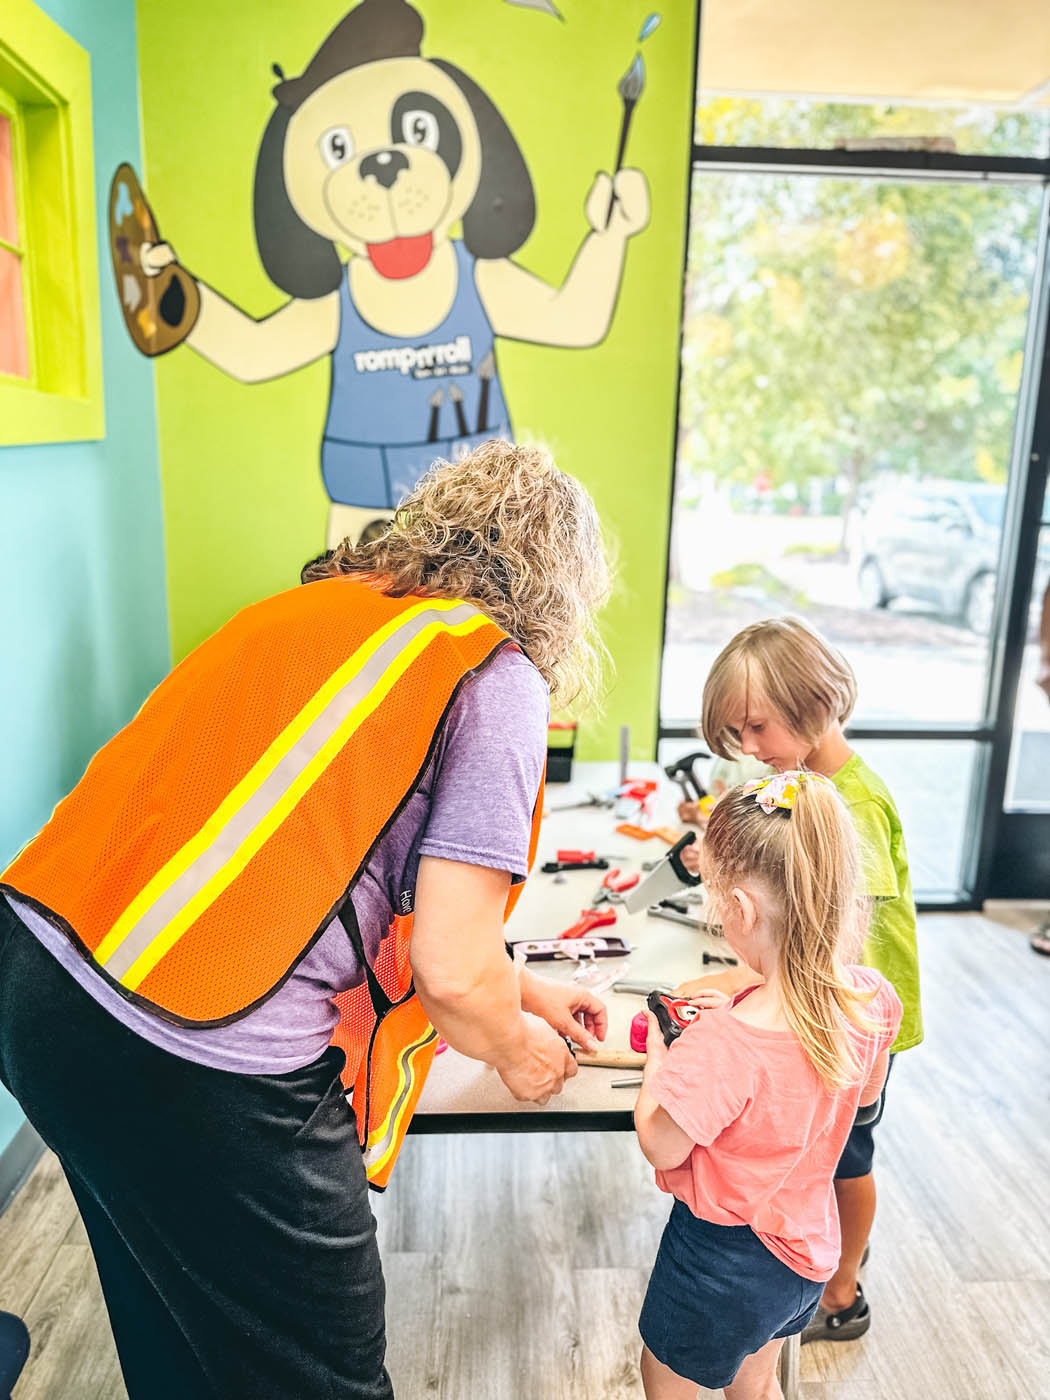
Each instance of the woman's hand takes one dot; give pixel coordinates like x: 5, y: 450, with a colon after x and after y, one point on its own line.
x: 540, y: 1065
x: 571, y: 1010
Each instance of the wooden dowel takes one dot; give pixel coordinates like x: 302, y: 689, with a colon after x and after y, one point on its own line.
x: 611, y: 1059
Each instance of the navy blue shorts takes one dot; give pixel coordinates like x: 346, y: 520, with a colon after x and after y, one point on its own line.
x: 716, y: 1295
x: 859, y: 1152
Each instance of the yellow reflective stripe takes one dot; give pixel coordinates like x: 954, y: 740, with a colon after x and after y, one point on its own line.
x: 254, y: 778
x: 192, y: 910
x: 397, y: 1110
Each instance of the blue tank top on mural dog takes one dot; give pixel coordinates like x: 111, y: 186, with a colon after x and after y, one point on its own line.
x: 397, y: 404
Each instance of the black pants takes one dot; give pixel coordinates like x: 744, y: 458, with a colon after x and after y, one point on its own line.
x: 228, y: 1213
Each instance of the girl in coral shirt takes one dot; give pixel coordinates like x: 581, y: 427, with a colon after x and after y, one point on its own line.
x: 745, y: 1115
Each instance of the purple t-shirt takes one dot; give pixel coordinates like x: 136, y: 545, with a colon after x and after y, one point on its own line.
x: 474, y: 805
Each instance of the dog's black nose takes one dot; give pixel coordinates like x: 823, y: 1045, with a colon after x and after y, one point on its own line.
x: 384, y: 166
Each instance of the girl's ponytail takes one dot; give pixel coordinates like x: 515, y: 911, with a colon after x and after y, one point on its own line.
x: 822, y: 923
x: 794, y: 833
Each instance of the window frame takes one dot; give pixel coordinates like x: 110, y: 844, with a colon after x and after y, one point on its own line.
x: 1030, y: 454
x: 45, y: 91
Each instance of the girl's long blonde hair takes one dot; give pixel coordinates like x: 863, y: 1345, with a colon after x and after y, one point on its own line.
x: 808, y: 859
x: 506, y: 530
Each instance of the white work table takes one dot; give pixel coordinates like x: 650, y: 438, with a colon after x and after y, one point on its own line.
x: 463, y: 1095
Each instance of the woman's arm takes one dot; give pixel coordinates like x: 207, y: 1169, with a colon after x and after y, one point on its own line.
x: 469, y: 987
x: 662, y: 1141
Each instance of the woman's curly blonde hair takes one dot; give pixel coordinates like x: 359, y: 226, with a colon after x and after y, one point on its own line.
x: 506, y: 530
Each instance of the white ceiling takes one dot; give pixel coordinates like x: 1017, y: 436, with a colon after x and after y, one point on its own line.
x: 995, y: 51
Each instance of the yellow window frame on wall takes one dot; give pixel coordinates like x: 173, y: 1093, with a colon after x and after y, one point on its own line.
x: 45, y: 91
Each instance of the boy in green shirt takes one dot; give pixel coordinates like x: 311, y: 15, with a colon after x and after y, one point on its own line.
x: 780, y: 694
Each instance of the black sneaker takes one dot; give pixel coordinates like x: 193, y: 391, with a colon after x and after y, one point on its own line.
x: 844, y: 1326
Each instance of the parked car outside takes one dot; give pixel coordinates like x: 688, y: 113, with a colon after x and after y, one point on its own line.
x: 936, y: 542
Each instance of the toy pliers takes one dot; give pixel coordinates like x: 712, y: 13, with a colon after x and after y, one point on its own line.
x: 613, y: 886
x: 589, y: 919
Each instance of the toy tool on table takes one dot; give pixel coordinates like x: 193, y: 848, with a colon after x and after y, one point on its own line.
x: 674, y: 914
x: 611, y: 1059
x: 613, y: 887
x: 640, y: 988
x: 583, y: 860
x: 635, y: 797
x: 593, y: 799
x: 672, y: 1014
x: 668, y: 878
x: 646, y: 833
x: 589, y: 919
x: 547, y: 949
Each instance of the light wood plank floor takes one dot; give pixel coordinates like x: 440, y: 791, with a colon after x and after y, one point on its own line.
x: 516, y: 1265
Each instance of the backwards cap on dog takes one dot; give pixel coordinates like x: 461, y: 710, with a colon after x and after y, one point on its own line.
x: 373, y: 30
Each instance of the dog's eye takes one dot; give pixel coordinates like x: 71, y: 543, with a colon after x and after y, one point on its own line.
x: 337, y: 146
x: 420, y: 128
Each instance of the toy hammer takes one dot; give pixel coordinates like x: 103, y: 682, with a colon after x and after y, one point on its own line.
x: 681, y: 772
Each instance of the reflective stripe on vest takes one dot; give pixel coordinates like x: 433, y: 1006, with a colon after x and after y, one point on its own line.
x: 389, y: 1054
x: 212, y: 840
x: 208, y: 863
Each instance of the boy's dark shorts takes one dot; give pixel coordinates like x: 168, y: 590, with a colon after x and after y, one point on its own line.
x: 859, y: 1151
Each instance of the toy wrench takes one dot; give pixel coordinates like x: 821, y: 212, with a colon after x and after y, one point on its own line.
x: 589, y: 919
x: 668, y: 911
x: 613, y: 887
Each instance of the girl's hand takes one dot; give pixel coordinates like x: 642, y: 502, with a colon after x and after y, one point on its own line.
x: 690, y: 855
x: 690, y: 813
x: 655, y: 1047
x: 708, y: 998
x: 571, y: 1010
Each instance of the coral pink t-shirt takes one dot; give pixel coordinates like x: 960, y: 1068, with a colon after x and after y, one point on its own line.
x: 769, y: 1134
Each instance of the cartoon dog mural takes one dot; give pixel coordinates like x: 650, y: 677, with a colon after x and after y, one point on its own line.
x: 382, y: 151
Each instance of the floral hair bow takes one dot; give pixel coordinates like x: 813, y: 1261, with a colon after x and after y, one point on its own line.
x: 781, y: 789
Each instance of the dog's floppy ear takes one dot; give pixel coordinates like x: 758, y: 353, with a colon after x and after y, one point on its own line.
x: 299, y: 261
x: 504, y: 209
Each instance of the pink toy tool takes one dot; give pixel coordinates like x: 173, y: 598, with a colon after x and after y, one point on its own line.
x: 672, y: 1013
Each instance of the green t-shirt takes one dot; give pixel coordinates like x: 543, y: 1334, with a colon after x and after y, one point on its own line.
x: 890, y: 945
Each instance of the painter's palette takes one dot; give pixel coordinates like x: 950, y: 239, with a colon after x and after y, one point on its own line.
x: 159, y: 311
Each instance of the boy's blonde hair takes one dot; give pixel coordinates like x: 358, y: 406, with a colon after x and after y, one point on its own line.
x: 505, y: 529
x: 808, y: 860
x: 786, y: 663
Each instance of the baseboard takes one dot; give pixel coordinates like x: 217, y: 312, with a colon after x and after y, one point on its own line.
x: 17, y: 1160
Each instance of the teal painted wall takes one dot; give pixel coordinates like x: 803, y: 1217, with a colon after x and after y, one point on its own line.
x: 83, y: 627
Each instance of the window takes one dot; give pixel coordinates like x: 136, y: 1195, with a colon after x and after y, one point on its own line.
x: 14, y: 354
x: 856, y: 377
x: 50, y: 345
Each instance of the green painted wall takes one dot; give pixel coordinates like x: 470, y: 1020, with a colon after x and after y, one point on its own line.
x: 243, y: 500
x: 83, y: 630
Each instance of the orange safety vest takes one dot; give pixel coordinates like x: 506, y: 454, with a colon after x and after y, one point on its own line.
x: 210, y: 843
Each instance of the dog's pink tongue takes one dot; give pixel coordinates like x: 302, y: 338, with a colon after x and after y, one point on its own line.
x: 401, y: 257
